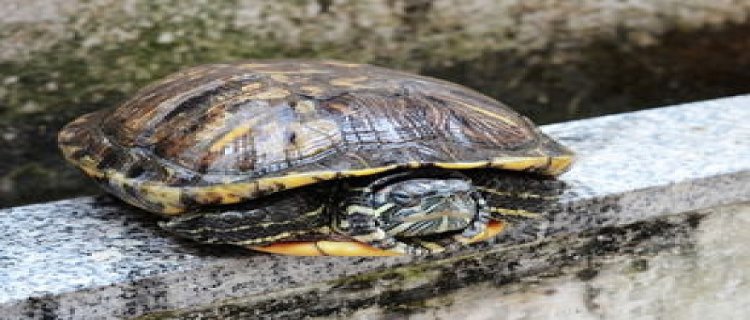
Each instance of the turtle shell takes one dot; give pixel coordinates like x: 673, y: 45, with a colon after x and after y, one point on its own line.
x: 227, y: 133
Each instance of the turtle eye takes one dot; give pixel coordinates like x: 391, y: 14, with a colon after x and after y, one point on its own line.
x: 404, y: 199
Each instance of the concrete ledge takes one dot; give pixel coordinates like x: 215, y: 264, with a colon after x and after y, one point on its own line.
x: 94, y: 258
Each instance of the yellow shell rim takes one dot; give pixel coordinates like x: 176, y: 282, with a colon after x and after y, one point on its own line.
x: 171, y: 197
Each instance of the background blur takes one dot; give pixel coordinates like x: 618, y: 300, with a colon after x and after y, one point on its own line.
x: 552, y: 60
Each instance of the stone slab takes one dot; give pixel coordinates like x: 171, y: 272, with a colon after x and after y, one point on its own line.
x: 687, y: 270
x: 89, y: 258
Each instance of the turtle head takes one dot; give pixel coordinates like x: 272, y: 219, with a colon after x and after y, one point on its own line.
x: 400, y: 212
x: 424, y: 206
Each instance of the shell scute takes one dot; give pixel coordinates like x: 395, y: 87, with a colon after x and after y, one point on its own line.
x: 225, y: 133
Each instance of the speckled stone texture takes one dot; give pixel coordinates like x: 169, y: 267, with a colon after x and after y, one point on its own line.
x: 692, y: 266
x: 92, y: 258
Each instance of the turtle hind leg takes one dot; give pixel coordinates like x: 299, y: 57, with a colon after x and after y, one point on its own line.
x: 258, y: 222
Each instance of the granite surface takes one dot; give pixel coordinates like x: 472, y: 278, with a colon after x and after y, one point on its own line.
x: 687, y: 267
x: 95, y: 258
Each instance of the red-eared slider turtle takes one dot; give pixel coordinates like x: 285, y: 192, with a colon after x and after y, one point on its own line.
x: 312, y: 157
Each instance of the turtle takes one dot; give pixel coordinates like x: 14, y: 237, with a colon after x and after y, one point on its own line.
x: 314, y: 157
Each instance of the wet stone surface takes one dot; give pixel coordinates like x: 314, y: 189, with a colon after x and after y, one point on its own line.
x: 93, y: 257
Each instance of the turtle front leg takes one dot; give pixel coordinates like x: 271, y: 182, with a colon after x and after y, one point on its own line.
x: 362, y: 224
x: 478, y: 228
x: 481, y: 228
